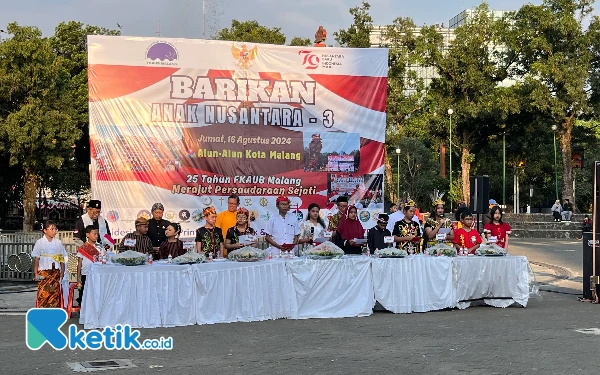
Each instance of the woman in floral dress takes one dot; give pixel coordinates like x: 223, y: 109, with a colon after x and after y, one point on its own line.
x: 313, y: 227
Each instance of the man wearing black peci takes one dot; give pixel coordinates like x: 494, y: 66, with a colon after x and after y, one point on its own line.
x: 375, y: 235
x: 92, y: 217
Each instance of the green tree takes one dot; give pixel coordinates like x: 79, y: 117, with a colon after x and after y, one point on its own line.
x: 38, y: 125
x: 70, y: 43
x: 251, y: 32
x: 358, y: 35
x: 555, y: 57
x: 419, y: 171
x: 471, y: 72
x: 408, y: 110
x: 300, y: 42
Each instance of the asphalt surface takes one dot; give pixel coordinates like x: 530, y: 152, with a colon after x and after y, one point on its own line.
x: 555, y: 334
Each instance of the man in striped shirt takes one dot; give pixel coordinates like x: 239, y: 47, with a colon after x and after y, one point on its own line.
x: 138, y: 240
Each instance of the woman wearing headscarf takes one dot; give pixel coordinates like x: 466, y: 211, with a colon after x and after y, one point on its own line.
x: 157, y: 226
x: 348, y: 230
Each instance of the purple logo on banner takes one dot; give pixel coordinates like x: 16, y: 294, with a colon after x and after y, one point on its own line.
x: 162, y: 51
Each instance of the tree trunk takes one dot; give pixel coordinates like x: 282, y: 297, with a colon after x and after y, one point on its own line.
x: 31, y: 181
x: 390, y: 187
x: 465, y: 163
x: 442, y: 161
x: 565, y: 136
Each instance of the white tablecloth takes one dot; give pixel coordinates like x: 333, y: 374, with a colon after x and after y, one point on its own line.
x: 243, y: 292
x: 166, y: 295
x: 489, y: 277
x: 414, y: 284
x: 142, y: 296
x: 335, y: 288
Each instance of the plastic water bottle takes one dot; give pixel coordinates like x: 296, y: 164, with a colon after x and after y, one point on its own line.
x: 210, y: 256
x: 150, y: 259
x: 270, y: 255
x: 170, y: 259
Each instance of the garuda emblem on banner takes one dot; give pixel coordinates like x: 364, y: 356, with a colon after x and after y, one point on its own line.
x: 244, y: 56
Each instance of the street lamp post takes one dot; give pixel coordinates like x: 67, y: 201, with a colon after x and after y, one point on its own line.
x: 450, y: 112
x: 504, y: 169
x: 398, y: 176
x: 554, y: 128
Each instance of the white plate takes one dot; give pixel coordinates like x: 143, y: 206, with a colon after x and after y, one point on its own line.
x: 220, y: 260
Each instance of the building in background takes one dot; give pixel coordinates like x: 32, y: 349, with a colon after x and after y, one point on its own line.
x: 427, y: 73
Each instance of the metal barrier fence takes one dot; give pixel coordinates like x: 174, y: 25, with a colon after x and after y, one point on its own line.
x: 16, y: 263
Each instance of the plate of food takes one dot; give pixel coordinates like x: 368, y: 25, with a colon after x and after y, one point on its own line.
x: 443, y: 249
x: 191, y: 257
x: 391, y: 252
x: 326, y: 250
x: 490, y: 250
x: 130, y: 258
x: 246, y: 254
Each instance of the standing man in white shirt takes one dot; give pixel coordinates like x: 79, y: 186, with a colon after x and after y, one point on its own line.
x: 283, y: 228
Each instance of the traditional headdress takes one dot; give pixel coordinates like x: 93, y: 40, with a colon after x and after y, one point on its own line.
x: 157, y: 206
x: 410, y: 202
x: 243, y: 211
x: 209, y: 211
x: 282, y: 198
x: 436, y: 198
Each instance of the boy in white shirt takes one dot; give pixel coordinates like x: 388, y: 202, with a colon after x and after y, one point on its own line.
x: 87, y: 255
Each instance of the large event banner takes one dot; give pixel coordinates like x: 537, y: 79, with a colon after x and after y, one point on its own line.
x: 189, y: 122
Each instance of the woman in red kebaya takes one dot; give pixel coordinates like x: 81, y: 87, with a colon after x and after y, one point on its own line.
x: 497, y: 228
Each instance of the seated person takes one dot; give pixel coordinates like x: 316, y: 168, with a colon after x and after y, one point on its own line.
x: 173, y: 246
x: 348, y: 230
x: 466, y: 237
x: 375, y: 235
x: 497, y: 228
x: 142, y: 243
x: 242, y: 228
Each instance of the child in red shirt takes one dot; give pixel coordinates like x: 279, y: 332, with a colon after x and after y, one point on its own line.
x: 466, y: 237
x: 497, y: 228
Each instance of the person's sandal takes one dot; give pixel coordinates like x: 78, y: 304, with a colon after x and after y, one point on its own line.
x: 581, y: 299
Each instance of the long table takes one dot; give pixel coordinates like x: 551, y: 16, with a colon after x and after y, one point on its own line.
x: 167, y: 295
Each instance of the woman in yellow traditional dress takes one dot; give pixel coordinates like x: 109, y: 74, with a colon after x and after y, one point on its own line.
x: 49, y: 266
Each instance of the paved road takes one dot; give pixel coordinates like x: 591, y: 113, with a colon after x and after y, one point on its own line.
x: 539, y: 339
